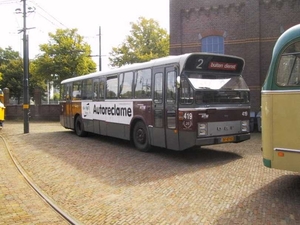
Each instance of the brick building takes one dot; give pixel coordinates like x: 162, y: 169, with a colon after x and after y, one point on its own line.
x: 245, y: 28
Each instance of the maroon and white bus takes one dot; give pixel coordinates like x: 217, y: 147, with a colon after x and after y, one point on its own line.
x: 175, y: 102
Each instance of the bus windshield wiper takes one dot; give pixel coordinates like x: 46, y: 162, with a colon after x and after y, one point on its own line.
x: 203, y: 88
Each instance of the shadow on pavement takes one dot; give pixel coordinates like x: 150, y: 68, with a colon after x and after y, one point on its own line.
x: 114, y: 161
x: 276, y: 203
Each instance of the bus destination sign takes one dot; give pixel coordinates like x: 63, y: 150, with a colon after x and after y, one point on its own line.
x: 222, y: 66
x: 216, y: 63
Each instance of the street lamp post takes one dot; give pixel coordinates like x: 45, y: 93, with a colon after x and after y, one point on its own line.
x: 100, y: 56
x: 25, y: 66
x: 100, y: 66
x: 26, y: 72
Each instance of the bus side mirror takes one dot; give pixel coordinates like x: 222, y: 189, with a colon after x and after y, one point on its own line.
x: 178, y: 82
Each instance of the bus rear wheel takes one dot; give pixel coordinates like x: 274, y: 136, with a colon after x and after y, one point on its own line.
x: 140, y: 137
x: 79, y: 128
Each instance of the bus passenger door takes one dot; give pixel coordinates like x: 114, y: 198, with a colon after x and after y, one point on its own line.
x: 158, y: 132
x: 171, y: 109
x: 68, y: 107
x: 165, y: 108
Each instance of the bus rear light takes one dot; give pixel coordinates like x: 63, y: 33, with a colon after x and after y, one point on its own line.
x: 202, y: 129
x: 245, y: 126
x: 280, y: 154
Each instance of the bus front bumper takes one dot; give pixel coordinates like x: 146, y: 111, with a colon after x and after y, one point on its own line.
x: 222, y: 139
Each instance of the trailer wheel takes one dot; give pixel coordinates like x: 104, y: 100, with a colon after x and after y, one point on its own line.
x: 79, y: 128
x: 140, y: 137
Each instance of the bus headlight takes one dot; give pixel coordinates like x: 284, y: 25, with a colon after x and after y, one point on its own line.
x: 245, y: 126
x: 202, y: 129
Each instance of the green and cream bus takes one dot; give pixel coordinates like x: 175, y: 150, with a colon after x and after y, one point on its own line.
x: 280, y: 109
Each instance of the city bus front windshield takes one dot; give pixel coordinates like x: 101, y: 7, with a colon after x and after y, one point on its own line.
x: 217, y: 82
x: 215, y: 88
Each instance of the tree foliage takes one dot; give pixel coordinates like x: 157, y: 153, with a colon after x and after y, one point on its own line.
x: 146, y: 41
x: 12, y: 73
x: 65, y: 55
x: 7, y: 54
x: 13, y: 77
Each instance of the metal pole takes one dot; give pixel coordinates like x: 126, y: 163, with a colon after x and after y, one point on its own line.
x: 100, y: 49
x: 26, y: 72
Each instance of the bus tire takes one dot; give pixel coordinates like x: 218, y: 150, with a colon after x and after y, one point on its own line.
x: 141, y: 137
x: 79, y: 128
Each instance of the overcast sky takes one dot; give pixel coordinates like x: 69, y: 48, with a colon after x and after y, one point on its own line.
x: 114, y: 17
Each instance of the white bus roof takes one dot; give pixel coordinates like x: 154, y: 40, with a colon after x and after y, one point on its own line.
x: 180, y: 59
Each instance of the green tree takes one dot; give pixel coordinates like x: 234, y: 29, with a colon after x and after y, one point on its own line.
x: 8, y: 54
x: 12, y: 77
x: 12, y: 73
x: 146, y: 41
x: 65, y: 55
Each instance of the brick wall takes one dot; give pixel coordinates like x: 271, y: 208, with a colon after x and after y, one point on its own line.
x: 250, y: 29
x: 41, y: 112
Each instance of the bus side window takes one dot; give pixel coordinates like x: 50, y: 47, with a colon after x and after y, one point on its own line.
x: 295, y: 75
x: 288, y: 73
x: 101, y: 89
x: 76, y: 95
x: 68, y: 92
x: 95, y: 89
x: 63, y: 94
x: 64, y: 91
x: 171, y: 87
x: 186, y: 92
x: 125, y: 82
x: 143, y: 84
x: 87, y: 89
x: 112, y: 87
x: 158, y: 87
x: 284, y: 69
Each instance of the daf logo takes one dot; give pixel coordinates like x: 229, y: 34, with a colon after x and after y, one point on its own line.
x: 226, y: 128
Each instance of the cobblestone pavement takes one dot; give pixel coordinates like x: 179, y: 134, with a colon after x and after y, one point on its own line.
x: 19, y: 204
x: 101, y: 180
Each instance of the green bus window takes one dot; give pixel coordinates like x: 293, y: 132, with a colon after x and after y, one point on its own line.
x: 288, y: 73
x: 295, y: 74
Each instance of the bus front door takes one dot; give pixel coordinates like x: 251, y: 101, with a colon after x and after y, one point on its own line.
x: 165, y: 108
x: 171, y: 109
x: 68, y: 108
x: 158, y: 131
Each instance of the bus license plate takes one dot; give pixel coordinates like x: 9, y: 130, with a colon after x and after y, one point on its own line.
x: 228, y: 139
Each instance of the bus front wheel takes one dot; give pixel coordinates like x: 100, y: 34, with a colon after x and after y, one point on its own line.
x: 140, y: 137
x: 79, y: 128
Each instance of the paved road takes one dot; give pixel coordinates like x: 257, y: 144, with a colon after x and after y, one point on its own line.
x: 100, y: 180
